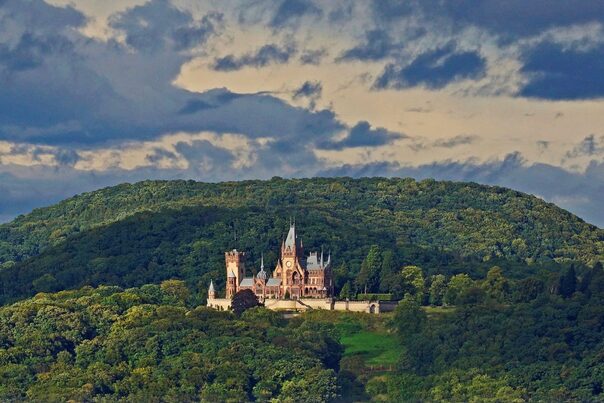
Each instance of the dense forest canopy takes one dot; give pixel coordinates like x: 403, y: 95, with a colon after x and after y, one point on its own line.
x: 485, y: 340
x: 130, y: 235
x: 146, y: 344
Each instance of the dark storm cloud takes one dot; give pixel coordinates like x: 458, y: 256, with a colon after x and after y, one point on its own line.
x: 292, y: 10
x: 47, y: 18
x: 203, y: 155
x: 556, y: 72
x: 434, y: 69
x: 80, y: 91
x: 509, y: 19
x: 267, y: 54
x: 362, y: 135
x: 31, y: 51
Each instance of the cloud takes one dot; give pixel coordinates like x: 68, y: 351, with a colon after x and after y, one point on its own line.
x: 377, y: 46
x: 557, y: 72
x: 97, y: 92
x: 455, y: 141
x: 205, y: 157
x: 362, y: 135
x: 158, y: 24
x: 508, y: 19
x: 313, y: 57
x: 292, y: 10
x: 588, y: 147
x: 267, y: 54
x: 310, y: 89
x: 434, y: 69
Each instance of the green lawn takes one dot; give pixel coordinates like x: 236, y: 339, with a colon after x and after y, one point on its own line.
x: 376, y: 348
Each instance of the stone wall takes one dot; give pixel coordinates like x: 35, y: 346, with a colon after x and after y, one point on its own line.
x: 305, y: 304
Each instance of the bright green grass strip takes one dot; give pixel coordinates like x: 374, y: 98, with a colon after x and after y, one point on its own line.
x: 376, y: 348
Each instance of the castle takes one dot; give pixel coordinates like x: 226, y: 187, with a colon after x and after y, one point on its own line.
x: 295, y: 276
x: 298, y: 282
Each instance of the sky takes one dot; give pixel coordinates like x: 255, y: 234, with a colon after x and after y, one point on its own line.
x: 94, y: 93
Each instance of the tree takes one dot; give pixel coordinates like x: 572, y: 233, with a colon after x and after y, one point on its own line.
x: 458, y: 285
x: 176, y: 290
x: 438, y: 288
x: 528, y: 289
x: 409, y: 318
x: 388, y: 275
x: 243, y: 300
x: 495, y: 285
x: 593, y: 282
x: 413, y: 281
x: 368, y: 278
x: 568, y: 282
x: 345, y: 292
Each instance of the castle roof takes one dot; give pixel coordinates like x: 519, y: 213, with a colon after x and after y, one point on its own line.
x: 273, y: 282
x: 291, y: 237
x: 247, y: 282
x: 315, y: 262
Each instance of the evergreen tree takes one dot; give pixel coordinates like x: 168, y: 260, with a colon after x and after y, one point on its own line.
x: 388, y: 275
x: 596, y: 283
x: 568, y: 282
x: 368, y: 278
x: 346, y: 291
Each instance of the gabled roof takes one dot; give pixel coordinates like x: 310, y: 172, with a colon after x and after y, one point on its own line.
x: 247, y: 282
x: 272, y: 282
x: 232, y: 274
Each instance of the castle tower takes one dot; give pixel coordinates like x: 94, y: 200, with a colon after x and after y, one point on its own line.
x: 211, y: 291
x: 235, y: 268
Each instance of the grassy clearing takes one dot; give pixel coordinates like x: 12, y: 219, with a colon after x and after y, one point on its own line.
x: 376, y: 348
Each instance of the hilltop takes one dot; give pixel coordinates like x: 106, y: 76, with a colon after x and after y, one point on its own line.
x: 134, y: 234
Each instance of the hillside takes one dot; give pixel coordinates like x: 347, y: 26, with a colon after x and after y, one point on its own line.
x: 146, y: 344
x: 146, y: 232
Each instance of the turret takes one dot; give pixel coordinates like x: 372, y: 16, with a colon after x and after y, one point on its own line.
x: 262, y: 275
x: 211, y: 291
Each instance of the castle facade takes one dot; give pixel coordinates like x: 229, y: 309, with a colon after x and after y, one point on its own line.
x: 295, y: 276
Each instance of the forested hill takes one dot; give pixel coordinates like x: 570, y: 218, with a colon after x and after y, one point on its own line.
x: 149, y: 231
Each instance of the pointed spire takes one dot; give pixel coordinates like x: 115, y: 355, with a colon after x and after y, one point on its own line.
x: 291, y: 237
x: 262, y: 275
x: 211, y: 288
x: 321, y: 256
